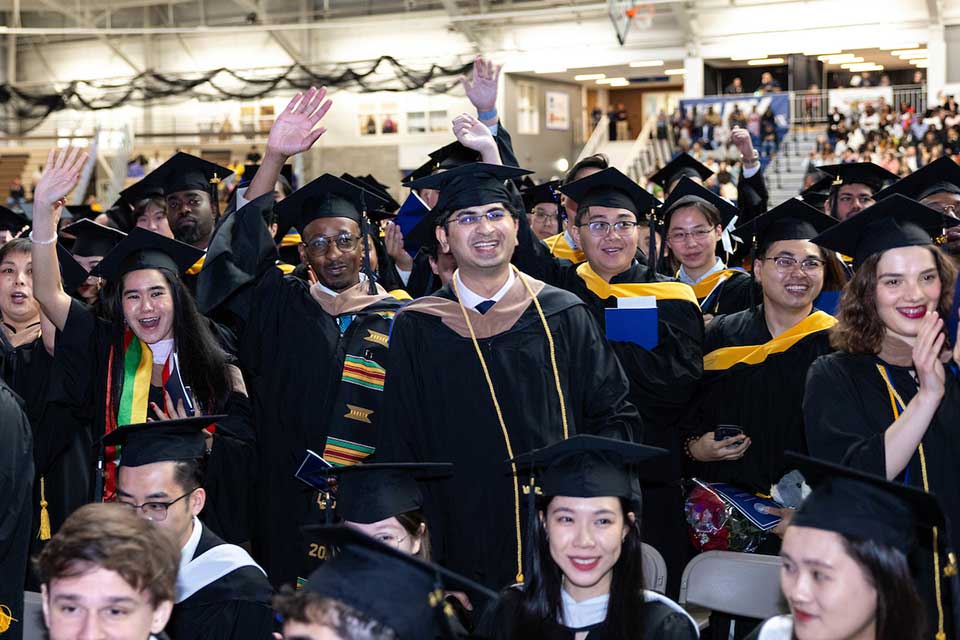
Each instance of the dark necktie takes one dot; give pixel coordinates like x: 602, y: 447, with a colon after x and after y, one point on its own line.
x: 484, y: 306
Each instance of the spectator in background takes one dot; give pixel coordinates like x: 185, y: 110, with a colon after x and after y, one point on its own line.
x: 735, y: 87
x: 771, y: 136
x: 18, y: 194
x: 623, y: 125
x: 833, y: 127
x: 738, y: 118
x: 253, y: 156
x: 768, y: 84
x: 918, y: 77
x: 753, y: 126
x: 595, y: 116
x: 611, y: 123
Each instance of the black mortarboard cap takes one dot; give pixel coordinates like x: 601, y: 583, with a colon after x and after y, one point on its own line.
x: 11, y: 220
x: 868, y: 173
x: 469, y: 185
x: 385, y: 210
x: 446, y: 157
x: 684, y: 165
x: 422, y: 171
x: 93, y: 239
x: 326, y: 197
x: 687, y: 191
x: 250, y: 170
x: 896, y: 221
x: 368, y: 493
x: 943, y: 174
x: 610, y: 188
x: 143, y: 249
x: 587, y: 466
x: 184, y: 172
x: 861, y: 505
x: 541, y: 193
x: 389, y: 586
x: 83, y: 212
x: 817, y: 193
x: 162, y: 441
x: 72, y: 273
x: 793, y: 219
x: 147, y: 187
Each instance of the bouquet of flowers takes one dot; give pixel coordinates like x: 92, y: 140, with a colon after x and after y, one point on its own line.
x: 716, y: 524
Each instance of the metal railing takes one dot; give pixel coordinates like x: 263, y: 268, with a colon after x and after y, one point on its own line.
x: 596, y: 139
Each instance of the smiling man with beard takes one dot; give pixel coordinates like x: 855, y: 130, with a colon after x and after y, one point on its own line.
x: 337, y: 329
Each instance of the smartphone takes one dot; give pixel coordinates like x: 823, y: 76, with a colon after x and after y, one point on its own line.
x: 724, y: 431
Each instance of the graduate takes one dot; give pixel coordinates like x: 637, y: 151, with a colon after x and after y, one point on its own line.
x: 221, y: 593
x: 340, y: 325
x: 663, y: 374
x: 756, y: 361
x: 543, y: 209
x: 854, y: 187
x: 751, y: 189
x: 887, y: 402
x: 816, y: 194
x: 696, y: 222
x: 585, y: 567
x: 142, y: 204
x: 562, y: 245
x: 16, y: 444
x: 494, y: 347
x: 92, y: 242
x: 845, y: 571
x: 156, y: 356
x: 372, y: 590
x: 12, y: 224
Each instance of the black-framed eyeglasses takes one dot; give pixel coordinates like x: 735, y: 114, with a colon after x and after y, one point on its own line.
x: 469, y: 219
x: 321, y: 244
x: 786, y: 264
x: 600, y: 228
x: 154, y: 511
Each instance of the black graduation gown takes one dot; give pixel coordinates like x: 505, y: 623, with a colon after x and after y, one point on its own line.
x: 764, y: 399
x: 439, y: 408
x: 293, y: 353
x: 79, y: 383
x: 235, y: 607
x: 663, y: 381
x: 660, y: 622
x: 62, y: 448
x: 847, y: 411
x: 16, y: 482
x: 737, y: 293
x: 752, y: 196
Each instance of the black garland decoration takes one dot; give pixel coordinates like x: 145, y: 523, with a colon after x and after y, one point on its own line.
x: 29, y: 109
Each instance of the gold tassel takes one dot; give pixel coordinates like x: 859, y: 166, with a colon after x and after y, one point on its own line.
x: 44, y: 515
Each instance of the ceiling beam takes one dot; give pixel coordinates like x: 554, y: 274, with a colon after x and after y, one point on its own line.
x: 83, y: 22
x: 450, y: 6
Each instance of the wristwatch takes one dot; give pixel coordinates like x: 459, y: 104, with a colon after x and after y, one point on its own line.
x: 754, y: 159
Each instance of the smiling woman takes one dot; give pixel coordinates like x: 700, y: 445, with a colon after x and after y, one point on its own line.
x: 889, y: 400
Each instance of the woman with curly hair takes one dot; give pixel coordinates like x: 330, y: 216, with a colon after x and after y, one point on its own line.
x: 887, y: 402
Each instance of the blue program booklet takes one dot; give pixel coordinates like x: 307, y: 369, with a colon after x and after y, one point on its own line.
x: 752, y: 506
x: 315, y: 471
x: 410, y: 213
x: 827, y: 301
x: 633, y: 320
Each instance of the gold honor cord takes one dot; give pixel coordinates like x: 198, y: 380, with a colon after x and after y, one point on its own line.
x: 496, y: 403
x: 894, y: 399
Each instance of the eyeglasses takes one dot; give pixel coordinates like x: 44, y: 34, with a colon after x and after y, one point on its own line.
x: 390, y: 539
x: 698, y: 235
x: 321, y: 244
x: 469, y: 219
x: 785, y: 264
x: 543, y: 215
x: 600, y: 228
x: 154, y: 511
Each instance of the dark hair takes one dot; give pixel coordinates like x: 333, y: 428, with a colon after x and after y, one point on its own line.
x: 710, y: 212
x: 859, y: 328
x: 17, y: 245
x: 412, y: 521
x: 190, y: 474
x: 203, y: 363
x: 900, y: 614
x: 112, y: 537
x: 540, y: 598
x: 596, y: 161
x: 307, y: 607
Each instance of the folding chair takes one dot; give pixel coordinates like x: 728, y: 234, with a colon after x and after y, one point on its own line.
x: 654, y: 570
x: 739, y: 584
x: 33, y: 626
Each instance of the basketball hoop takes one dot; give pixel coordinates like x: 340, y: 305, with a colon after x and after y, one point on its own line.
x: 624, y: 13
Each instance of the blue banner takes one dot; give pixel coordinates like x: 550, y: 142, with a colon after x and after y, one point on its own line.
x: 778, y: 102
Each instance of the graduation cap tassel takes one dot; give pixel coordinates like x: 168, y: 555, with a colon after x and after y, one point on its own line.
x: 652, y: 258
x: 365, y: 233
x: 753, y: 276
x: 215, y: 197
x: 44, y: 533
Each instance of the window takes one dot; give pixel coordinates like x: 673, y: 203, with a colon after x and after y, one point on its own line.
x: 528, y: 114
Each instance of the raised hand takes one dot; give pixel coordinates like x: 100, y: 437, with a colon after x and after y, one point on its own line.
x: 472, y: 133
x: 926, y: 356
x: 393, y: 241
x: 481, y: 86
x: 60, y: 176
x: 293, y: 131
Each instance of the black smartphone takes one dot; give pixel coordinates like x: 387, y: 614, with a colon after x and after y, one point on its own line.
x: 724, y: 431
